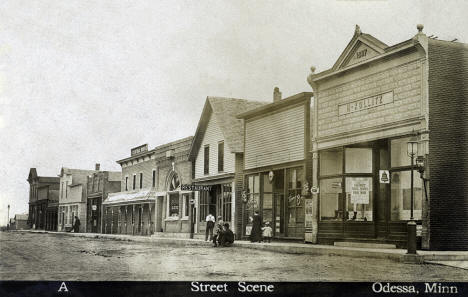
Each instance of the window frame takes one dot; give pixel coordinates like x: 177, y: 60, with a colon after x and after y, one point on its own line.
x: 206, y: 159
x: 141, y: 180
x: 134, y: 182
x: 221, y: 156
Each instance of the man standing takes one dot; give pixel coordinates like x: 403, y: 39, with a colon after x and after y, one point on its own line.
x: 210, y: 222
x: 76, y: 225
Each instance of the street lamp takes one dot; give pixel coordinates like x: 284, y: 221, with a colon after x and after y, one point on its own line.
x: 412, y: 151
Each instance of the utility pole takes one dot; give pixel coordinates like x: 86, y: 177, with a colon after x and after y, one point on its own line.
x: 8, y: 218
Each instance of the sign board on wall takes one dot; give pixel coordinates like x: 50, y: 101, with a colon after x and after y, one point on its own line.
x: 384, y: 176
x: 365, y: 103
x: 360, y: 191
x: 308, y: 215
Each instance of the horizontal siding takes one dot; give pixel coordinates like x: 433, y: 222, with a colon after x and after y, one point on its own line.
x: 213, y: 135
x: 275, y: 138
x: 404, y: 81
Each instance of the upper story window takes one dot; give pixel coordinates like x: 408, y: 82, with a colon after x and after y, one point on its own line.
x: 141, y: 180
x: 126, y: 183
x: 154, y: 179
x: 134, y: 182
x: 220, y: 156
x: 206, y: 160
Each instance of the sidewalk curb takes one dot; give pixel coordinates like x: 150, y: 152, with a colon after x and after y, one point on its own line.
x: 397, y: 255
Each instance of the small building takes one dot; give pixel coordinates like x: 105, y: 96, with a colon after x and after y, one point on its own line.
x: 72, y: 198
x: 20, y: 222
x: 277, y: 165
x: 217, y: 154
x: 151, y: 199
x: 43, y: 198
x: 99, y: 185
x: 374, y: 101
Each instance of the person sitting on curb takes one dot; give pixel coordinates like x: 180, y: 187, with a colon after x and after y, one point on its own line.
x: 226, y: 238
x: 219, y: 229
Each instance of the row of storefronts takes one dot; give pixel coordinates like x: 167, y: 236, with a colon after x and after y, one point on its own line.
x: 353, y: 160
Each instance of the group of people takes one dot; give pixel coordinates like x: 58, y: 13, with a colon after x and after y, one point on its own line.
x: 260, y: 233
x: 219, y: 232
x: 223, y: 236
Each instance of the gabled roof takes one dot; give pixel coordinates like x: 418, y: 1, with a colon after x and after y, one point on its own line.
x: 41, y: 179
x: 359, y: 41
x: 362, y: 49
x: 225, y: 111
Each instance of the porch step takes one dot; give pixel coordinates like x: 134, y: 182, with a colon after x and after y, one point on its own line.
x: 369, y: 245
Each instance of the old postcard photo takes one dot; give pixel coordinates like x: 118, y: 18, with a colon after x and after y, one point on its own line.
x: 235, y: 147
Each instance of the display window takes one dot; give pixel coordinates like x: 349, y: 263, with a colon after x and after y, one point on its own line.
x: 400, y: 184
x: 346, y: 194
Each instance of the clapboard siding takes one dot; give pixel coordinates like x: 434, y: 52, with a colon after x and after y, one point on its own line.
x: 213, y: 135
x: 275, y: 138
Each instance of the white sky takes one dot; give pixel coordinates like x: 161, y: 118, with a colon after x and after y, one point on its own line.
x: 82, y: 82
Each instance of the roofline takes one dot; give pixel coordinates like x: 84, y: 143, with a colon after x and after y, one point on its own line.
x: 135, y: 156
x: 407, y: 44
x: 276, y: 105
x: 205, y: 109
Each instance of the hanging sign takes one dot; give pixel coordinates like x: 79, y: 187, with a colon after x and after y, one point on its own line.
x: 360, y: 191
x: 384, y: 176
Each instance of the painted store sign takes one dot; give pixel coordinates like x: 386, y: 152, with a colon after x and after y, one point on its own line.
x: 365, y: 103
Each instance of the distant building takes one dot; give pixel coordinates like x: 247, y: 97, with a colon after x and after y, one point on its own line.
x: 99, y: 185
x: 19, y: 222
x: 151, y: 199
x: 72, y: 198
x: 43, y: 198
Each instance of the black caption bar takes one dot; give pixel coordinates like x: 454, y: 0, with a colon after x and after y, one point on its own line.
x: 242, y: 288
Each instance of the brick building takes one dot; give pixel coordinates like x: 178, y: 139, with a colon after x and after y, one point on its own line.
x: 277, y: 165
x: 217, y: 154
x: 43, y: 201
x: 151, y: 200
x: 368, y: 106
x: 99, y: 185
x: 72, y: 198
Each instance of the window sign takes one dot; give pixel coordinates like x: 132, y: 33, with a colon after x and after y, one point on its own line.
x: 360, y: 191
x: 384, y: 176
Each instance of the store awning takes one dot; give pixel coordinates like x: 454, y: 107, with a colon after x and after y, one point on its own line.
x: 140, y: 196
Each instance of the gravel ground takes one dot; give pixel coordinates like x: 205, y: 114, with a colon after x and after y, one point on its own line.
x: 29, y: 256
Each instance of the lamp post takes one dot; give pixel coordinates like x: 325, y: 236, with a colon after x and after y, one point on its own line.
x: 412, y: 151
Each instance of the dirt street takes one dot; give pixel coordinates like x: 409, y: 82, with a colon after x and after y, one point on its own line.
x: 29, y: 256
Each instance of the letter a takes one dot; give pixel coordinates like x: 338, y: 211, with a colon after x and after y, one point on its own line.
x: 63, y: 287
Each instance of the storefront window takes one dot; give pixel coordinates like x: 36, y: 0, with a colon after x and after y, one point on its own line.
x: 227, y: 202
x: 295, y: 200
x: 359, y: 199
x: 331, y: 162
x: 399, y: 156
x: 331, y: 206
x: 267, y: 203
x: 253, y: 194
x: 173, y: 205
x: 358, y: 160
x: 401, y: 196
